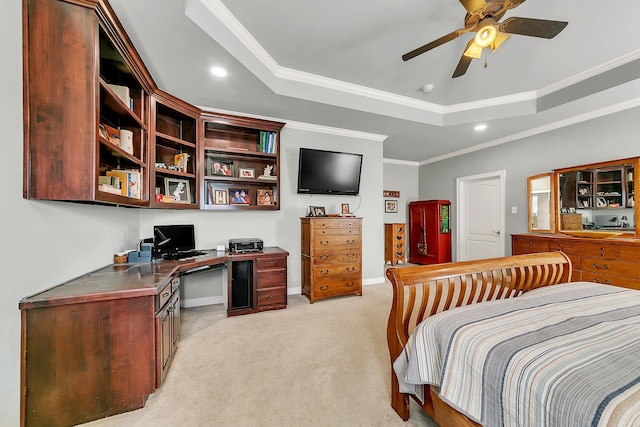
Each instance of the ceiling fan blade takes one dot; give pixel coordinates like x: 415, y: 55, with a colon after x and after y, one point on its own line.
x: 473, y: 6
x: 512, y: 4
x: 462, y: 67
x: 532, y: 27
x: 473, y: 50
x: 431, y: 45
x: 500, y: 38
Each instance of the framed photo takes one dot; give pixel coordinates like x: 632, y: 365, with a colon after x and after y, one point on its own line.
x: 265, y: 197
x: 391, y: 206
x: 390, y: 193
x: 317, y: 211
x: 246, y: 173
x: 239, y: 196
x: 345, y: 208
x: 601, y: 202
x: 220, y: 197
x: 221, y: 167
x: 178, y: 189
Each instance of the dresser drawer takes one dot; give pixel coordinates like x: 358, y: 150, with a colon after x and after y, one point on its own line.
x: 630, y: 253
x: 331, y: 272
x: 335, y: 242
x: 272, y: 296
x: 608, y: 279
x: 337, y: 223
x: 338, y: 287
x: 612, y: 267
x: 591, y: 249
x: 270, y: 278
x: 529, y: 245
x: 337, y: 257
x: 337, y: 232
x: 266, y: 263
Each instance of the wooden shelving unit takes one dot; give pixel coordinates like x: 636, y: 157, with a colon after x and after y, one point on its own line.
x: 238, y: 170
x: 174, y: 132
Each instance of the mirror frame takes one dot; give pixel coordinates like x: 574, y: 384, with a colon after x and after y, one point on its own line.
x: 552, y: 203
x: 635, y: 161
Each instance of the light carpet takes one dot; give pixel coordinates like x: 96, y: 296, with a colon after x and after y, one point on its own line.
x: 321, y: 364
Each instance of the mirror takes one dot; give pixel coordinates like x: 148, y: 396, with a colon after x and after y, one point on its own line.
x: 597, y: 197
x: 541, y: 199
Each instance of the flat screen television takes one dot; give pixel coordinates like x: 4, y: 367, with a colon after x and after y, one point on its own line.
x: 172, y: 239
x: 329, y: 172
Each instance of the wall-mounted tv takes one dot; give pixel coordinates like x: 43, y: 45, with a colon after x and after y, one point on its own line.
x: 328, y: 172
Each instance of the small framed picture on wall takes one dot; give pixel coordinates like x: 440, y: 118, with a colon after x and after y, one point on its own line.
x: 391, y: 206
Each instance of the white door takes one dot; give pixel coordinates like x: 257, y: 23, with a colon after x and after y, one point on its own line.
x: 480, y: 216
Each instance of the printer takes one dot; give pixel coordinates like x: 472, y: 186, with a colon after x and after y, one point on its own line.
x: 243, y: 246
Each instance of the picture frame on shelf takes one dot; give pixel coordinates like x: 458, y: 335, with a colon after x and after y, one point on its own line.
x: 220, y: 197
x: 345, y: 208
x: 317, y: 211
x: 265, y: 197
x: 246, y: 173
x: 601, y: 202
x: 391, y: 206
x: 219, y: 167
x: 179, y: 190
x: 239, y: 196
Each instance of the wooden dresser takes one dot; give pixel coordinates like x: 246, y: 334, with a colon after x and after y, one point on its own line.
x: 613, y: 261
x: 394, y: 243
x: 331, y: 257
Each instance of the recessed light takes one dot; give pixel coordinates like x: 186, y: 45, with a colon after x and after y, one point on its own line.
x: 426, y: 88
x: 480, y: 127
x: 218, y: 71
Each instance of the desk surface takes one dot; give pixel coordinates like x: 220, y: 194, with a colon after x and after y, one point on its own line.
x: 128, y: 280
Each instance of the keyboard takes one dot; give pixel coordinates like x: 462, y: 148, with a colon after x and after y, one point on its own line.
x: 183, y: 254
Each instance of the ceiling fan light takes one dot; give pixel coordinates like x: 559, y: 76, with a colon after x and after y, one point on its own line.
x: 486, y: 35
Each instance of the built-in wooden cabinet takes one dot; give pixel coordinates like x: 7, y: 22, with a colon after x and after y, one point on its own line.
x: 167, y: 327
x: 240, y: 163
x: 99, y: 130
x: 257, y: 281
x: 331, y: 257
x: 80, y: 76
x: 174, y: 170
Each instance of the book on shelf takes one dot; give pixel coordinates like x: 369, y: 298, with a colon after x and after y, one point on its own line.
x: 108, y: 189
x: 121, y: 92
x: 130, y: 185
x: 181, y: 160
x: 267, y: 142
x: 113, y: 134
x: 126, y: 140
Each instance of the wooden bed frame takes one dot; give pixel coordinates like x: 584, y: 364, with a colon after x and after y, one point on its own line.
x: 421, y: 291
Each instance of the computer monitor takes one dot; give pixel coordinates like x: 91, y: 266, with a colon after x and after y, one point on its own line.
x: 171, y: 239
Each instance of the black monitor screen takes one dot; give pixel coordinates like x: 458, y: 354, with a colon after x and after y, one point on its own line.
x: 169, y: 239
x: 328, y: 172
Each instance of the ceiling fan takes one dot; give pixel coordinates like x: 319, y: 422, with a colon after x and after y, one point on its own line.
x: 482, y: 17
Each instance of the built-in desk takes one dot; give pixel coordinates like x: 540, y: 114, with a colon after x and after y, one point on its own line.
x: 99, y: 344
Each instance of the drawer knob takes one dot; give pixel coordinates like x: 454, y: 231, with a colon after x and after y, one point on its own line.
x: 351, y: 269
x: 324, y: 242
x: 350, y: 284
x: 399, y: 253
x: 351, y: 255
x: 324, y: 257
x: 399, y: 245
x: 324, y: 288
x: 605, y: 267
x: 399, y: 237
x: 350, y: 242
x: 324, y: 272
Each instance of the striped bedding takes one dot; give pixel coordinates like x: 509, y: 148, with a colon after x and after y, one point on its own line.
x: 563, y: 355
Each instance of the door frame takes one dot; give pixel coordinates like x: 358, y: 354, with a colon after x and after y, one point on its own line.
x: 461, y: 183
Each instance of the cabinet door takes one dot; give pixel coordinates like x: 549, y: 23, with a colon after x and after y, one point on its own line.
x: 164, y: 342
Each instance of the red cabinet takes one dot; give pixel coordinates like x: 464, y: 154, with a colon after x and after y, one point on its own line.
x: 429, y: 232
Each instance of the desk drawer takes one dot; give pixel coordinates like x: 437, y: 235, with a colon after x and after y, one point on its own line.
x: 266, y: 263
x: 272, y: 296
x: 269, y: 278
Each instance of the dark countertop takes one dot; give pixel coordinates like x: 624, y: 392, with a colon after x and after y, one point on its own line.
x: 119, y: 281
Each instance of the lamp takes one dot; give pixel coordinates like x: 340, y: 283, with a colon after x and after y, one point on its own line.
x: 623, y: 221
x: 486, y: 36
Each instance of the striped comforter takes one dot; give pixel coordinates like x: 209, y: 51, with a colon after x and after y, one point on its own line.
x: 563, y: 355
